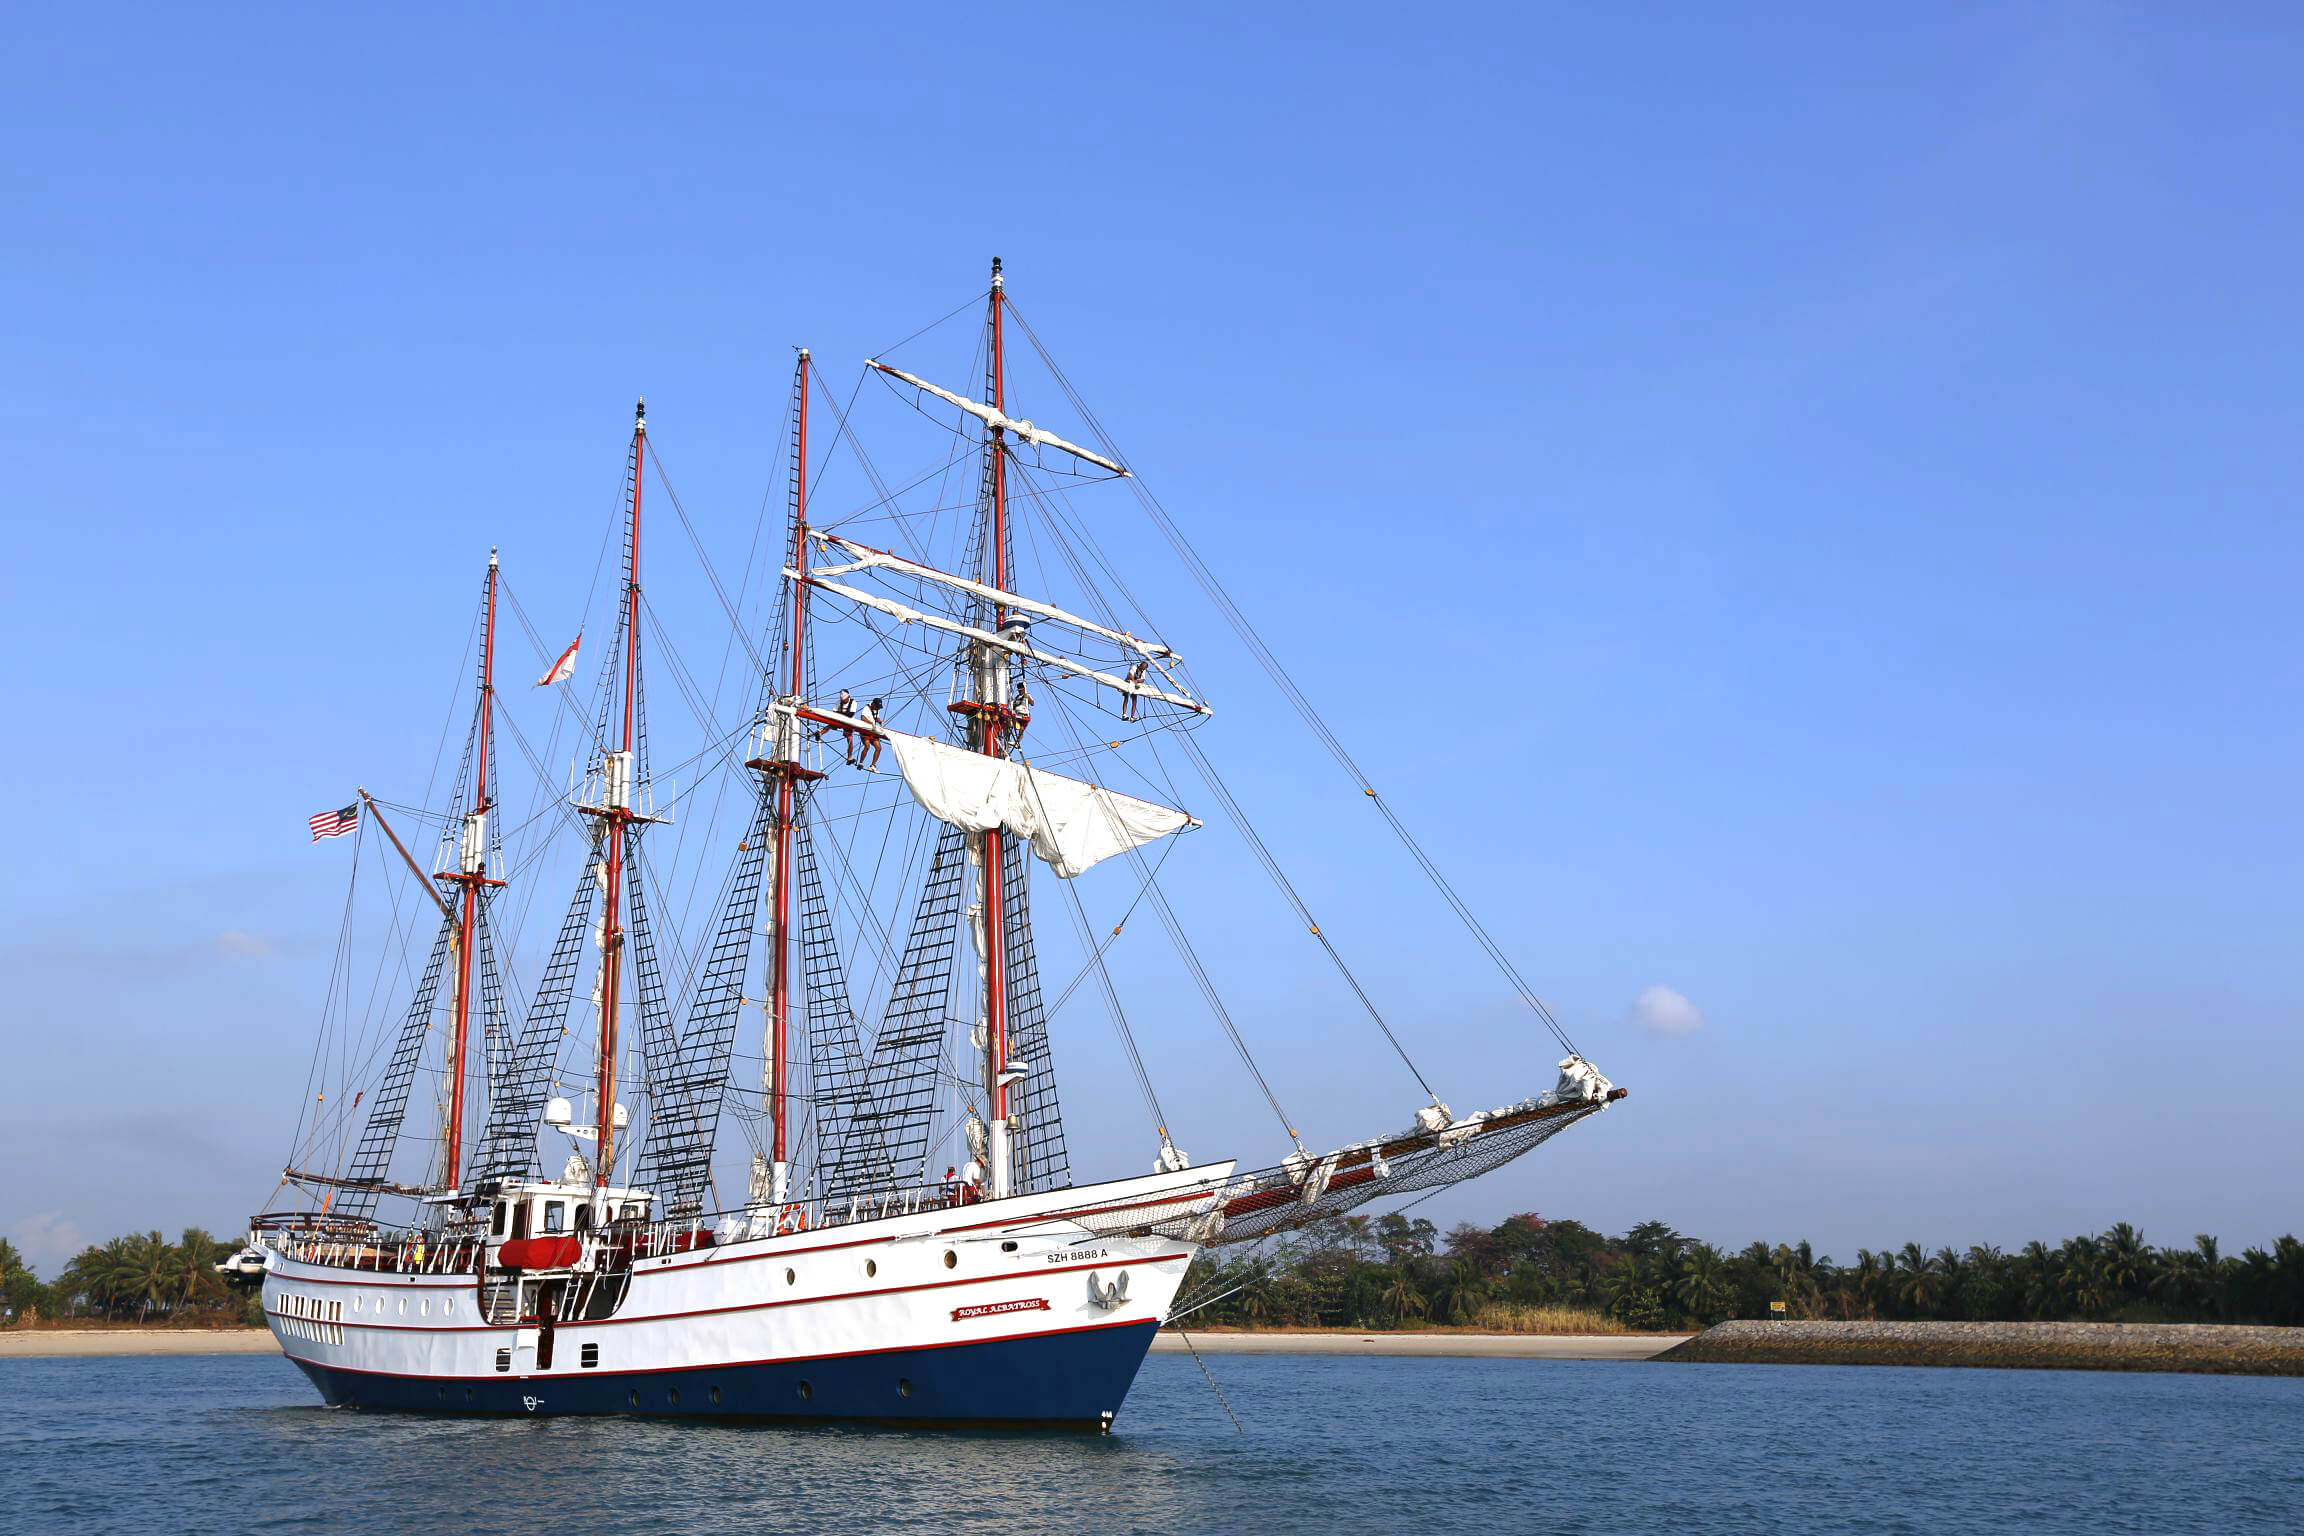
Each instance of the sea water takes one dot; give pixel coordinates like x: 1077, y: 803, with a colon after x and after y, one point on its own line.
x: 240, y: 1444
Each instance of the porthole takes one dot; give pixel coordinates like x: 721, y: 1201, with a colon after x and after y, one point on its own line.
x: 806, y: 1391
x: 633, y: 1397
x: 467, y: 1394
x: 442, y: 1394
x: 672, y: 1396
x: 424, y: 1308
x: 790, y: 1278
x: 403, y: 1306
x: 448, y: 1306
x: 1008, y: 1246
x: 714, y: 1394
x: 903, y: 1386
x: 355, y: 1304
x: 951, y: 1259
x: 871, y: 1268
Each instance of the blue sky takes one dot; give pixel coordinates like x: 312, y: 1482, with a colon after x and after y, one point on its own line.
x: 1801, y: 510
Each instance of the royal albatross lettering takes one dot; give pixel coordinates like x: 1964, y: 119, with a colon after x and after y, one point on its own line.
x: 995, y: 1308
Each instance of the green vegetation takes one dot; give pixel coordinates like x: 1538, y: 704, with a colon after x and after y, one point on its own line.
x: 1525, y: 1274
x: 140, y: 1278
x: 1528, y: 1273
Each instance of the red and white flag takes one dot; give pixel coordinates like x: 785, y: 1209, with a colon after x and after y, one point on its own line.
x: 334, y: 823
x: 564, y: 668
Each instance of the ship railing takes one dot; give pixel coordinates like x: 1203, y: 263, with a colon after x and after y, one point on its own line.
x: 386, y: 1252
x: 751, y: 1222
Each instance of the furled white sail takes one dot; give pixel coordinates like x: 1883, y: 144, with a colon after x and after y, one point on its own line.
x: 865, y: 557
x: 1073, y: 826
x: 994, y: 418
x: 905, y: 614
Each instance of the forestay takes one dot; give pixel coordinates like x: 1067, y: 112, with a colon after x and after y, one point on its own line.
x: 1073, y: 825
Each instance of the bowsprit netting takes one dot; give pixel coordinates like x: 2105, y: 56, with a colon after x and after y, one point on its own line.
x: 1305, y: 1190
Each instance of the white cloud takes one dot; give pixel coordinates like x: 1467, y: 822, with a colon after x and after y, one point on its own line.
x: 1662, y: 1011
x: 252, y: 945
x: 48, y: 1241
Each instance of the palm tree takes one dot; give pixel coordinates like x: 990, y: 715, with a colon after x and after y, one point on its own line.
x: 144, y: 1272
x: 2127, y: 1260
x: 1919, y: 1284
x: 2212, y: 1272
x: 1402, y: 1298
x: 2041, y: 1286
x: 1703, y: 1287
x: 1623, y: 1285
x: 1460, y: 1291
x: 1867, y: 1284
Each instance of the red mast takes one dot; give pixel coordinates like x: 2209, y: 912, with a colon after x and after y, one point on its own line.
x: 471, y: 873
x: 616, y: 807
x: 788, y: 771
x: 990, y: 722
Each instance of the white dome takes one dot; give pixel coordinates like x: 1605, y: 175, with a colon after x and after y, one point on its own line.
x: 558, y: 1112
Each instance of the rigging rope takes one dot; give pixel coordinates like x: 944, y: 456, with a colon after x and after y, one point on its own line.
x: 1232, y: 807
x: 1265, y: 657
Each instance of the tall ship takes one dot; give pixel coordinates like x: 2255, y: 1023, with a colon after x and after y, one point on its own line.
x: 808, y: 1161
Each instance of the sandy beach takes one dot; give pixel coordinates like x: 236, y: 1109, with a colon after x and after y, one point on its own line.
x: 21, y: 1344
x: 1494, y: 1346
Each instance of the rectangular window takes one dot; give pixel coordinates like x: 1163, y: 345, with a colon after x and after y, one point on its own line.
x: 503, y: 1214
x: 504, y: 1360
x: 589, y: 1356
x: 555, y: 1215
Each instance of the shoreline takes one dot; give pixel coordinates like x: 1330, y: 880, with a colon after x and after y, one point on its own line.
x: 2200, y: 1348
x: 51, y: 1343
x: 1488, y: 1346
x: 89, y: 1343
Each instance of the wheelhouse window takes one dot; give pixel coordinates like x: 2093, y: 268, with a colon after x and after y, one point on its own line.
x: 503, y: 1215
x: 555, y: 1215
x: 584, y: 1217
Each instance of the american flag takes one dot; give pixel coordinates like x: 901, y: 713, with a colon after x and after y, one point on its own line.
x: 335, y: 823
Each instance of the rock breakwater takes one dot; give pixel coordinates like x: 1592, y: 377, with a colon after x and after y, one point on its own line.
x: 2208, y: 1347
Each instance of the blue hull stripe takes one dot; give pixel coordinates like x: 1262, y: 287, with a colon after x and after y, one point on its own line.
x: 1063, y: 1380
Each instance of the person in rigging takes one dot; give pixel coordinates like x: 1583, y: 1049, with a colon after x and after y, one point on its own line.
x: 846, y: 706
x: 1019, y: 711
x: 1131, y: 706
x: 873, y: 741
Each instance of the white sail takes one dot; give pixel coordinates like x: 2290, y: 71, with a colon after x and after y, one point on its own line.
x: 864, y: 557
x: 993, y: 418
x: 1073, y: 826
x: 905, y: 614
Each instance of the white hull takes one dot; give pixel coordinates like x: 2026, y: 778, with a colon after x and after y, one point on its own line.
x: 973, y: 1314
